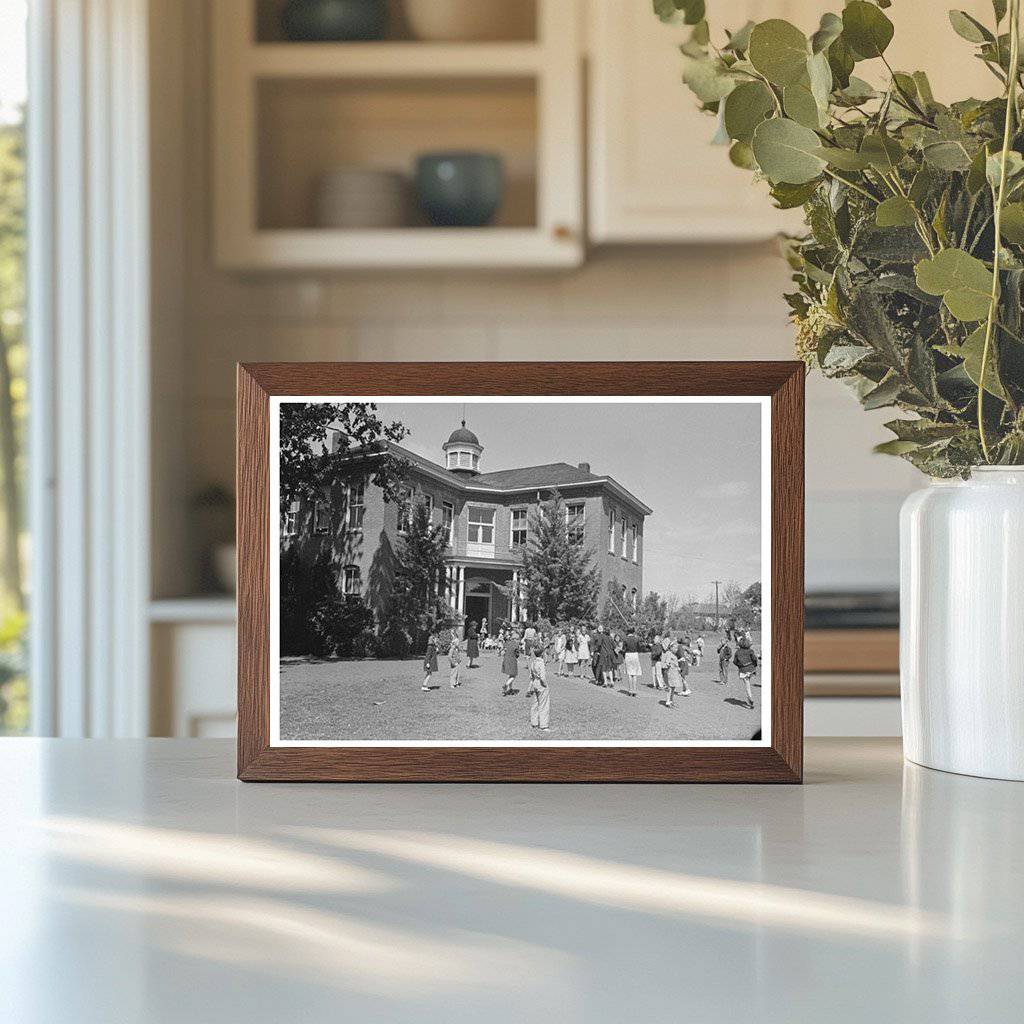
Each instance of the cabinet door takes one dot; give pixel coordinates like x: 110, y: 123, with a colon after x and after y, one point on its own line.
x: 654, y: 177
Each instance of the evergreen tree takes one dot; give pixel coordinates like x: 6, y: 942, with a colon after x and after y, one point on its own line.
x: 418, y: 603
x: 559, y: 582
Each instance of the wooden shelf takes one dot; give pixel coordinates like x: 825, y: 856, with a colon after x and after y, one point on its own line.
x: 393, y: 60
x: 852, y: 650
x: 317, y: 248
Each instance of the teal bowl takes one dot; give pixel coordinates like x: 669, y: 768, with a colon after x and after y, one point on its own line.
x: 460, y: 190
x: 334, y: 21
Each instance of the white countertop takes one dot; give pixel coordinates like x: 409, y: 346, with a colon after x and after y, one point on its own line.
x: 140, y: 882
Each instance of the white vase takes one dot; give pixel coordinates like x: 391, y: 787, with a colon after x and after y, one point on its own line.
x: 962, y: 624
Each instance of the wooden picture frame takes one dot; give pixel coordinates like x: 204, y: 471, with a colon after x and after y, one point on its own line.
x: 779, y: 760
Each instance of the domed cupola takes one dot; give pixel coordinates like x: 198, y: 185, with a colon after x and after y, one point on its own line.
x: 462, y: 451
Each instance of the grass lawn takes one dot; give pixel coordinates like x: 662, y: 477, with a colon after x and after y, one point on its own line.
x: 382, y: 700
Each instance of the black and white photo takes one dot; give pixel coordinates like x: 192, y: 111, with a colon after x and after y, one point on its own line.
x: 507, y: 571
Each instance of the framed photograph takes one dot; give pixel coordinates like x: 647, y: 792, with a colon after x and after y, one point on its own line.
x: 574, y: 572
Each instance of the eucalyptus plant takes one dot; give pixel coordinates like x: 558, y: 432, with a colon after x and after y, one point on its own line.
x: 910, y: 277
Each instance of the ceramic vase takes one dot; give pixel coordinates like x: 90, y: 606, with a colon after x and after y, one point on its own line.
x: 962, y: 624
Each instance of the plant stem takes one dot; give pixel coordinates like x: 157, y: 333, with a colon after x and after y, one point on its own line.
x: 1011, y: 109
x: 853, y: 185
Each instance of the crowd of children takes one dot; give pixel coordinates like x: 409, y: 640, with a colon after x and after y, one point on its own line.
x: 601, y: 656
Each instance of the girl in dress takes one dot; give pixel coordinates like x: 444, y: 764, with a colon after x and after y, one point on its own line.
x: 631, y: 659
x: 510, y: 662
x: 572, y: 656
x: 472, y: 645
x: 429, y: 662
x: 583, y: 650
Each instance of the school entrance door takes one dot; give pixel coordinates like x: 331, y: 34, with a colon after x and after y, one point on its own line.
x: 487, y: 598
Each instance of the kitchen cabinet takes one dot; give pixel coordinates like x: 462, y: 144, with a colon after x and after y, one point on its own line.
x: 654, y: 177
x: 286, y: 114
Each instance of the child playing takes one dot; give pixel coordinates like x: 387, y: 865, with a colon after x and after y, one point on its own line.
x: 724, y: 654
x: 429, y: 662
x: 455, y: 661
x: 540, y: 695
x: 678, y: 667
x: 746, y: 662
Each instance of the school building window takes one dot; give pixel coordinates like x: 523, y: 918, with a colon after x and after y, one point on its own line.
x: 481, y: 526
x: 356, y: 504
x: 633, y: 598
x: 622, y: 546
x: 290, y: 523
x: 321, y: 518
x: 611, y: 533
x: 575, y: 521
x: 518, y: 527
x: 448, y: 521
x: 636, y: 541
x: 429, y: 501
x: 353, y: 581
x: 404, y: 510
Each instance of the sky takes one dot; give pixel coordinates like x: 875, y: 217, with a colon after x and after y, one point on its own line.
x: 696, y: 465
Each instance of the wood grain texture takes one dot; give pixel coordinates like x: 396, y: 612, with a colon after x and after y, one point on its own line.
x: 852, y: 650
x: 782, y: 761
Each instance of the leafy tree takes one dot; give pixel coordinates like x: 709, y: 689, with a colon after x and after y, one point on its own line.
x: 418, y: 605
x: 309, y: 468
x: 559, y: 581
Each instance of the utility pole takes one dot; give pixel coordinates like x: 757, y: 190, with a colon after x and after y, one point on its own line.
x: 716, y: 583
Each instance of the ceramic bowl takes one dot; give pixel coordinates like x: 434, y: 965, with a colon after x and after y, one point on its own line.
x: 332, y: 21
x: 470, y: 20
x: 459, y: 189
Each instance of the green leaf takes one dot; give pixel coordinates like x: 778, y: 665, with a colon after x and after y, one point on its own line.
x: 976, y: 173
x: 707, y: 78
x: 857, y: 91
x: 779, y: 51
x: 993, y: 167
x: 819, y: 74
x: 745, y: 108
x: 924, y: 88
x: 895, y: 447
x: 883, y: 152
x: 922, y: 431
x: 829, y: 30
x: 1012, y: 224
x: 844, y: 159
x: 895, y: 212
x: 969, y: 28
x: 689, y: 12
x: 788, y: 197
x: 801, y: 106
x: 885, y: 394
x: 787, y: 151
x: 841, y: 63
x: 922, y: 185
x: 741, y: 155
x: 999, y: 9
x: 963, y: 281
x: 866, y: 29
x: 739, y: 41
x: 947, y: 156
x: 971, y: 351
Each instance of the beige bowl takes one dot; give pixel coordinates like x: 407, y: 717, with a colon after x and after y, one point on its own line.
x: 471, y: 20
x: 362, y: 198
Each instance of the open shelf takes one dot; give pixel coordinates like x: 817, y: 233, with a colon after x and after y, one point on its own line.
x: 309, y: 127
x: 286, y: 114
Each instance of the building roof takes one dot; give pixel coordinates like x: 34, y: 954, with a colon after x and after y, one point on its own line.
x: 463, y: 436
x: 554, y: 474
